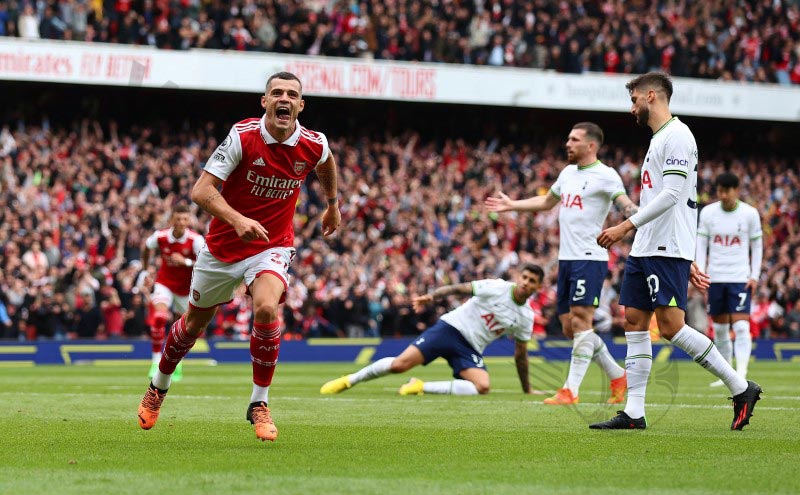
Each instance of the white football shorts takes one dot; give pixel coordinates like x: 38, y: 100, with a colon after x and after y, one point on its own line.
x: 214, y: 281
x: 162, y: 295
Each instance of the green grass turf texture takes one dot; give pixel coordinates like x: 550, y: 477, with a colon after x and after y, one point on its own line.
x: 73, y: 429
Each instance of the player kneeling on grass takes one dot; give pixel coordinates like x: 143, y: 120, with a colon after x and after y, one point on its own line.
x: 496, y: 308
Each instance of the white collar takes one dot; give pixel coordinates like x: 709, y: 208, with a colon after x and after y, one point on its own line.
x: 171, y: 235
x: 290, y: 141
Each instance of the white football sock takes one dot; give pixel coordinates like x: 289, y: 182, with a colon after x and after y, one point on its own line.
x: 604, y: 359
x: 704, y: 353
x: 455, y: 387
x: 379, y: 368
x: 638, y: 362
x: 742, y: 346
x: 582, y: 351
x: 161, y: 381
x: 722, y: 339
x: 260, y: 394
x: 157, y: 357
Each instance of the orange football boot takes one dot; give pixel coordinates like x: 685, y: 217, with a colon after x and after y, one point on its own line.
x: 563, y: 397
x: 618, y: 388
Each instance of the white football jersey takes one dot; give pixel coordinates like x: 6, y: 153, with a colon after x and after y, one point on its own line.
x: 586, y: 195
x: 673, y: 151
x: 490, y: 313
x: 729, y: 234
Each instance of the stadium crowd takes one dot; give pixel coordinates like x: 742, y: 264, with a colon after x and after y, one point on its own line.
x: 742, y: 40
x: 76, y: 204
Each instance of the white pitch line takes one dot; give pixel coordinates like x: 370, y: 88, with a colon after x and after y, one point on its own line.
x: 383, y: 399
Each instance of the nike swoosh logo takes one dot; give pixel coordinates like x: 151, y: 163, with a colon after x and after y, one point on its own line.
x: 577, y: 298
x: 141, y: 419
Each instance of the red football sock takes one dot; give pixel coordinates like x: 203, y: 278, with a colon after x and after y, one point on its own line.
x: 160, y: 318
x: 179, y: 342
x: 157, y: 335
x: 265, y: 344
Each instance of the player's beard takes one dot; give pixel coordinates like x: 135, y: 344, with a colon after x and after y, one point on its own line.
x: 643, y: 116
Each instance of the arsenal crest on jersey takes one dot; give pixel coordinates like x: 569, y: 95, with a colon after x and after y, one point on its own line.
x: 299, y: 167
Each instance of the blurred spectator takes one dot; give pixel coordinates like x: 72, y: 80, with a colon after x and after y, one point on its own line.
x: 28, y: 23
x: 728, y: 40
x: 74, y: 198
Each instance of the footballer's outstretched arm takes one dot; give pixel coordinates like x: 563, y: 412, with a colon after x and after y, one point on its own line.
x: 419, y: 302
x: 206, y: 194
x: 536, y: 203
x: 521, y: 360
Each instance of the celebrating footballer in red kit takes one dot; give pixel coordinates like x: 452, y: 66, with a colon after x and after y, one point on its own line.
x: 178, y: 247
x: 250, y: 185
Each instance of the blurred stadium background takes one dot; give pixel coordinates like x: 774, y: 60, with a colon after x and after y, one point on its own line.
x: 109, y: 109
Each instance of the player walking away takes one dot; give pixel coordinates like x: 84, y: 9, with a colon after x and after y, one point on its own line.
x: 178, y: 247
x: 660, y: 267
x: 585, y: 190
x: 250, y: 185
x: 729, y: 237
x: 496, y: 308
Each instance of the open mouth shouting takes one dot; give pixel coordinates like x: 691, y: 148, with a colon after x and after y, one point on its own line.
x: 283, y: 114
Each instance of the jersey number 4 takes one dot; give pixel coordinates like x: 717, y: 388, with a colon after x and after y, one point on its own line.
x: 646, y: 180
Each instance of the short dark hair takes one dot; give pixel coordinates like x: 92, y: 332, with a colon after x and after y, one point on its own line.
x: 287, y: 76
x: 727, y: 180
x: 181, y: 208
x: 593, y: 131
x: 535, y: 269
x: 652, y: 80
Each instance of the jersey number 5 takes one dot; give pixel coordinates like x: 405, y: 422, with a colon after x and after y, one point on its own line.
x: 646, y: 180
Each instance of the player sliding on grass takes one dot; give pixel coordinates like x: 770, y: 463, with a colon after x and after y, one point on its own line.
x: 496, y: 308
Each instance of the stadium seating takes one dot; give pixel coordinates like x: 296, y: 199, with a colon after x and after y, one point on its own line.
x: 77, y: 200
x: 726, y: 40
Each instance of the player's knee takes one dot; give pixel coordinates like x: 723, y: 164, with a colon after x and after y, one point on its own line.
x: 400, y: 365
x: 265, y: 312
x: 160, y: 318
x: 633, y: 325
x: 197, y: 321
x: 482, y: 387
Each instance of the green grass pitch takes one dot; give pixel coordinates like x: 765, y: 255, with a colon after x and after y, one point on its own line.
x: 73, y: 430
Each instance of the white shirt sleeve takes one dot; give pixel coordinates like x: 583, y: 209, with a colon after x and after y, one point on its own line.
x: 226, y: 157
x: 487, y: 287
x: 678, y: 155
x: 152, y: 241
x: 555, y: 189
x: 664, y: 200
x: 197, y: 244
x: 326, y: 151
x: 702, y: 240
x: 756, y: 246
x: 615, y: 186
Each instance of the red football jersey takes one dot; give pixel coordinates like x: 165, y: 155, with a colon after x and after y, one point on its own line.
x: 176, y: 278
x: 262, y: 181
